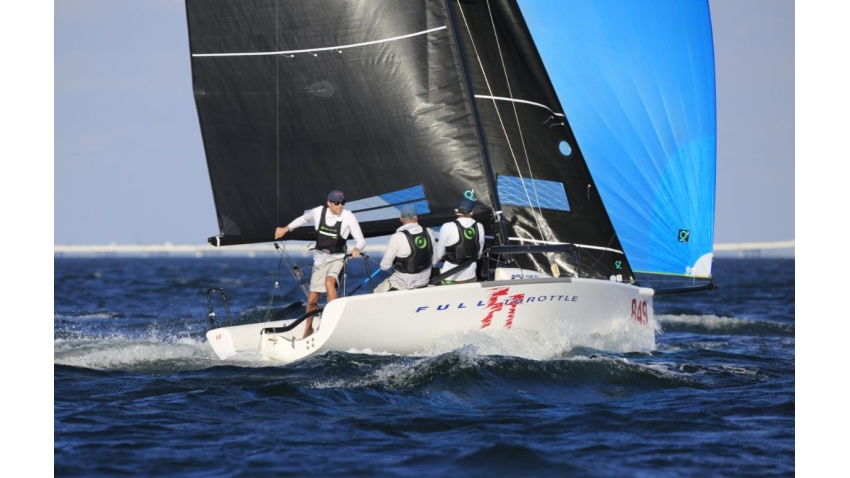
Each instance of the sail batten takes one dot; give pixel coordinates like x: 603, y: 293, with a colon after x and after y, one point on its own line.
x: 336, y: 48
x: 515, y: 100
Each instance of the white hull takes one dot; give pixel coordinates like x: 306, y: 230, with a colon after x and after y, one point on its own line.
x: 576, y: 312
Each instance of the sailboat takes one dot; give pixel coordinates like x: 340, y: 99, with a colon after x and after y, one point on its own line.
x: 426, y: 102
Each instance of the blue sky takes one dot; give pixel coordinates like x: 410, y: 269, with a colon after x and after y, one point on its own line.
x: 129, y: 163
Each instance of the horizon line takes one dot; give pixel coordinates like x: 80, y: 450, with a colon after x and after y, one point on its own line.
x: 302, y: 248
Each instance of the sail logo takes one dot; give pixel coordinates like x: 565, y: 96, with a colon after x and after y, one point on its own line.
x: 322, y: 89
x: 684, y: 235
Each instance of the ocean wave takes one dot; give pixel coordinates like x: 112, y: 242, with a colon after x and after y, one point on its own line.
x: 150, y: 355
x: 467, y: 372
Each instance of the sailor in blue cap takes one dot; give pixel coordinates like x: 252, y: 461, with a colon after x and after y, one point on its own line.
x: 334, y: 225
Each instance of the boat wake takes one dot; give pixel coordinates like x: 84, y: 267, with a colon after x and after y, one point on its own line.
x: 558, y: 341
x: 714, y: 325
x: 493, y: 353
x: 150, y: 355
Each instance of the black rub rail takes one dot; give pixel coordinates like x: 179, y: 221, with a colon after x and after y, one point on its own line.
x: 287, y: 328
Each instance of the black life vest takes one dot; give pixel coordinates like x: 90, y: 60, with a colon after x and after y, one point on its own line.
x: 421, y: 251
x: 466, y: 247
x: 328, y: 238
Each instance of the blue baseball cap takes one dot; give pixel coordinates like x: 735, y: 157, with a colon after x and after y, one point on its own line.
x: 465, y: 207
x: 409, y: 210
x: 336, y: 195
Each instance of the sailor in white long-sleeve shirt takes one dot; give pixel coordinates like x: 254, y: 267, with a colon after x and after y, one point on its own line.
x: 460, y: 240
x: 410, y: 252
x: 333, y: 226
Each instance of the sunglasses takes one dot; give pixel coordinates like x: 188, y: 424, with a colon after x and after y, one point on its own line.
x: 338, y: 203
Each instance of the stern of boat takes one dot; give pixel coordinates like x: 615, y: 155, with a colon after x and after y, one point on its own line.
x: 289, y: 346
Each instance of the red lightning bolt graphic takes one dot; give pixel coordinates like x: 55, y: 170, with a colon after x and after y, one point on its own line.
x: 514, y: 301
x: 494, y: 304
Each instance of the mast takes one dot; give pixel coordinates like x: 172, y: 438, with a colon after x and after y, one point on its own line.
x: 499, y: 217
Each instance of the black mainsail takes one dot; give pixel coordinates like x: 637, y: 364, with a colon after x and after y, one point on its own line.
x: 395, y: 102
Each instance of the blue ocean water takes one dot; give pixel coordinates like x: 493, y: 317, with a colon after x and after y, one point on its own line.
x: 138, y: 391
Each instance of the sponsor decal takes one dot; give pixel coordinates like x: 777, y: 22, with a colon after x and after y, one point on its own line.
x: 218, y: 336
x: 498, y: 299
x: 529, y: 275
x: 495, y: 304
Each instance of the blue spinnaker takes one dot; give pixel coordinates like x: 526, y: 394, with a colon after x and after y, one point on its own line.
x: 636, y: 81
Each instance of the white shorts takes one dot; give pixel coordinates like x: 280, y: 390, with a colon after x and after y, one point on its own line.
x: 402, y: 281
x: 331, y: 267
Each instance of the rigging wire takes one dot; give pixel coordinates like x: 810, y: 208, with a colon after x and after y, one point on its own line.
x: 496, y: 106
x: 293, y: 269
x: 276, y: 288
x: 277, y: 108
x: 284, y: 258
x: 368, y: 278
x: 224, y: 295
x: 518, y: 124
x: 537, y: 212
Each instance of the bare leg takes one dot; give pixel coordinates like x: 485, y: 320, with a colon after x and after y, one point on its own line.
x: 330, y: 286
x: 312, y: 304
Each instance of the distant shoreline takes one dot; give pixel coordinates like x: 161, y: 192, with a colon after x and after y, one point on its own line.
x: 184, y: 250
x: 776, y: 249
